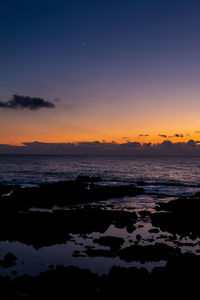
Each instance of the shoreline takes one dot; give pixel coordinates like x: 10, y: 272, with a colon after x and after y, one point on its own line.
x: 170, y: 233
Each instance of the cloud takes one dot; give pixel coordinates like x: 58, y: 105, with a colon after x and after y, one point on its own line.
x: 143, y: 134
x: 198, y: 131
x: 25, y: 102
x: 178, y: 135
x: 166, y: 148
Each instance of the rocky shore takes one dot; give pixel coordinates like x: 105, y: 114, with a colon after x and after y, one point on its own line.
x: 54, y: 214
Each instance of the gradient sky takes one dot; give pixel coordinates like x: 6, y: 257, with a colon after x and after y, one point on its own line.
x: 120, y: 69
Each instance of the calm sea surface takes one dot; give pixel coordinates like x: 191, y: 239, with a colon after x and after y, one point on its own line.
x: 162, y: 174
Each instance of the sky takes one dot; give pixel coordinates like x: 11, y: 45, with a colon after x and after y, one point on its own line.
x: 84, y: 71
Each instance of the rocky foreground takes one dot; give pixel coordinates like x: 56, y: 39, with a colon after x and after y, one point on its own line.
x: 63, y: 215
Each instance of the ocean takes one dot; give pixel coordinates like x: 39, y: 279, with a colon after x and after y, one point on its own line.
x: 161, y: 175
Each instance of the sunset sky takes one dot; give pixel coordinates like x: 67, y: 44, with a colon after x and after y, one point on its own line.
x: 114, y: 70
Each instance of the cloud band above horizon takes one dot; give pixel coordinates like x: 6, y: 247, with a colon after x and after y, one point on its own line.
x: 166, y: 148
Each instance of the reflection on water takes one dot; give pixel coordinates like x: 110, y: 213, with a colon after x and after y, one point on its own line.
x: 33, y: 261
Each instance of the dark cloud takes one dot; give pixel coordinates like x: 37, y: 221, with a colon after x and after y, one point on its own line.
x: 178, y: 135
x: 166, y: 148
x: 198, y: 131
x: 193, y: 143
x: 25, y: 102
x: 143, y: 134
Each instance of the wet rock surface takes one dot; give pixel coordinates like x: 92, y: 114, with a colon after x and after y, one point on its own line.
x: 6, y: 189
x: 63, y: 193
x: 40, y: 229
x: 100, y: 253
x: 142, y: 240
x: 181, y: 216
x: 85, y: 178
x: 154, y: 252
x: 8, y: 261
x: 111, y: 241
x: 148, y: 253
x: 68, y: 281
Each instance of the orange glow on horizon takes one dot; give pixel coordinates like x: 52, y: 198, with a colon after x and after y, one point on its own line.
x: 108, y: 123
x: 154, y: 139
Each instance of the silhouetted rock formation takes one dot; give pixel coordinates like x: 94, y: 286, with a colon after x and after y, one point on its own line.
x: 6, y: 189
x: 47, y: 228
x: 180, y: 216
x: 179, y: 277
x: 64, y: 193
x: 8, y: 261
x: 155, y: 252
x: 111, y: 241
x: 85, y: 178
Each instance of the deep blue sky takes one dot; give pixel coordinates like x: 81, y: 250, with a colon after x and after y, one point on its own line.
x: 131, y: 54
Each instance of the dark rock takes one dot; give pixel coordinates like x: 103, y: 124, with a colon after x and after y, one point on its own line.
x: 41, y: 229
x: 8, y: 261
x: 58, y: 283
x: 63, y: 193
x: 141, y: 183
x: 111, y: 241
x: 85, y: 178
x: 130, y: 228
x: 163, y: 236
x: 138, y: 237
x: 154, y: 230
x: 180, y: 216
x: 140, y: 226
x: 14, y: 272
x: 150, y: 240
x: 122, y: 283
x: 89, y: 247
x: 100, y: 252
x: 179, y: 277
x: 183, y: 205
x: 180, y: 244
x: 51, y: 266
x: 181, y: 273
x: 6, y: 189
x: 77, y: 253
x: 144, y: 213
x: 7, y: 288
x: 155, y: 252
x: 181, y: 223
